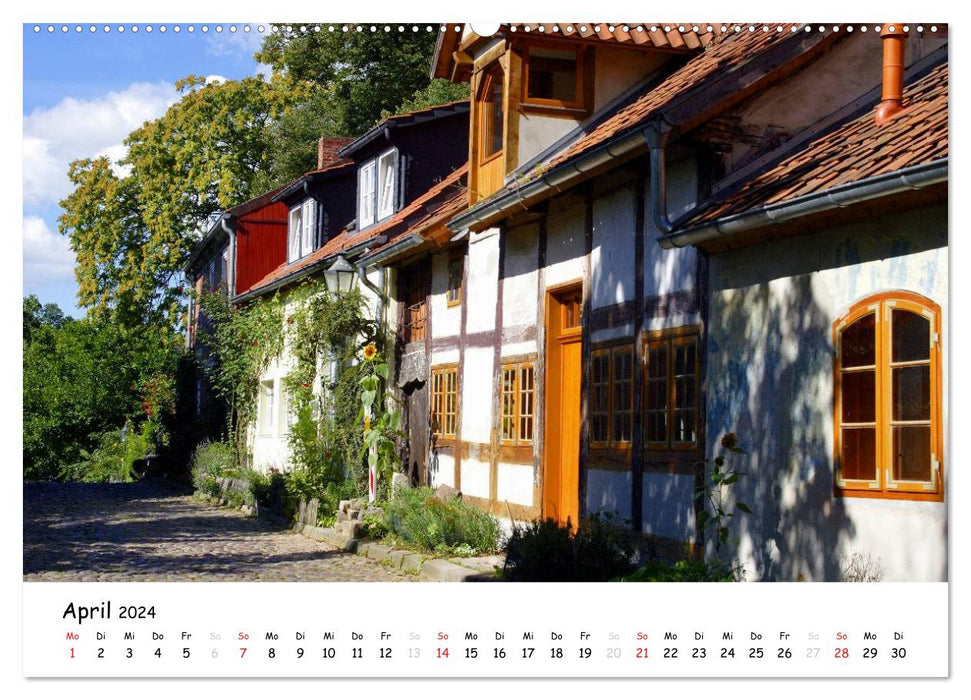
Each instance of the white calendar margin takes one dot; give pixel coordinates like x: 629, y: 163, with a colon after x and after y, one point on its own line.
x: 182, y: 10
x: 610, y: 615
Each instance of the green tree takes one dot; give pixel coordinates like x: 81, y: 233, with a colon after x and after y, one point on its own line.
x: 85, y: 377
x: 360, y: 74
x: 132, y: 232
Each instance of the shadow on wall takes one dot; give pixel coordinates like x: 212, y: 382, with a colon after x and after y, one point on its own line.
x: 769, y: 369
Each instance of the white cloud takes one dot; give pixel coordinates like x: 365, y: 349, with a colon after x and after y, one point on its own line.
x: 242, y: 44
x: 47, y: 255
x: 215, y: 80
x: 73, y: 128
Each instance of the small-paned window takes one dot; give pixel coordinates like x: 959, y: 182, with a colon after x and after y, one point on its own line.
x: 888, y: 398
x: 444, y: 401
x: 456, y: 266
x: 518, y: 403
x: 552, y: 77
x: 671, y: 390
x: 612, y: 397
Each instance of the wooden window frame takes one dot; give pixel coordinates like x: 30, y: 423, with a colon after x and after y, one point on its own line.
x: 669, y: 339
x: 884, y: 486
x: 553, y: 107
x: 488, y: 80
x: 611, y: 351
x: 438, y: 401
x: 457, y: 300
x: 518, y: 369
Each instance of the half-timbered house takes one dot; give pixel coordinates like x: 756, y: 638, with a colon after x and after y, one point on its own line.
x: 679, y: 233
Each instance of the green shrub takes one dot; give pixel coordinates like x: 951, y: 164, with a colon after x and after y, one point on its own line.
x: 114, y: 457
x: 331, y: 497
x: 682, y: 571
x: 214, y: 459
x: 451, y: 526
x: 543, y: 550
x: 374, y: 527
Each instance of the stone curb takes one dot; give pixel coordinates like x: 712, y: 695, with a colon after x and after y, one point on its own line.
x: 440, y: 570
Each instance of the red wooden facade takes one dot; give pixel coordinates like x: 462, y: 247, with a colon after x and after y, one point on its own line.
x: 261, y: 244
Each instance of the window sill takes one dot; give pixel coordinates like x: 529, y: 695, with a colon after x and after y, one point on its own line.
x: 553, y: 110
x: 889, y: 495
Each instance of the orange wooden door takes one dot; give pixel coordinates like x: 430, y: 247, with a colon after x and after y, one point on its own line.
x: 561, y: 479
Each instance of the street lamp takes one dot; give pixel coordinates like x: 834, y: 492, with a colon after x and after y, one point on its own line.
x: 339, y: 277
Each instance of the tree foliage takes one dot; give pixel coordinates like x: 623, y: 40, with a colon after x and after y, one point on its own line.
x: 132, y: 227
x: 362, y: 73
x: 353, y: 79
x: 83, y: 378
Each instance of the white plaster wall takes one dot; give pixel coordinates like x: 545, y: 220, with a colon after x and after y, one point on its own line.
x: 442, y: 470
x: 668, y: 271
x: 482, y: 277
x: 612, y: 254
x: 564, y: 241
x: 446, y: 320
x: 623, y: 331
x: 476, y: 387
x: 609, y: 492
x: 475, y: 478
x: 444, y: 357
x: 526, y: 347
x: 617, y: 70
x: 537, y: 131
x: 514, y: 483
x: 520, y: 277
x: 668, y: 506
x: 770, y: 380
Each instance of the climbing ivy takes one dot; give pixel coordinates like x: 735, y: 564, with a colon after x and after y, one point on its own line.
x: 241, y: 342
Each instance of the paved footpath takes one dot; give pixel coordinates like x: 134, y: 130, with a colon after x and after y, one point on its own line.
x: 145, y: 531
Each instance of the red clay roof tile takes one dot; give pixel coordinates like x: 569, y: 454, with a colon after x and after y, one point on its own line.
x: 350, y: 239
x: 854, y: 151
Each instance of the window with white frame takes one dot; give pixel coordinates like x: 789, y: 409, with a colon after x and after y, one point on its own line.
x: 301, y: 231
x: 377, y: 188
x: 267, y: 412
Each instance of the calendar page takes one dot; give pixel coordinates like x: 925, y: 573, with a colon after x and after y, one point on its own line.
x: 369, y: 349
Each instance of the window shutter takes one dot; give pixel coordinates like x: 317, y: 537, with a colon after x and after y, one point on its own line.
x: 293, y: 235
x: 309, y: 226
x: 365, y: 213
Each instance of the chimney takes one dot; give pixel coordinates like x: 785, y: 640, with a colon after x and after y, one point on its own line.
x: 894, y: 42
x: 328, y: 148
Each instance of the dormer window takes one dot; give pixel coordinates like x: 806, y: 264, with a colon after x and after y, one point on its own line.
x: 302, y: 230
x: 552, y: 77
x: 377, y: 189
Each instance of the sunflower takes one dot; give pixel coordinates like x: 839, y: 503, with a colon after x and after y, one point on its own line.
x: 370, y: 352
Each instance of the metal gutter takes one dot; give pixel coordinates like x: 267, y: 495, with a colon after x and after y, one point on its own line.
x: 402, y: 246
x: 555, y: 179
x: 305, y: 271
x: 915, y: 177
x: 231, y: 272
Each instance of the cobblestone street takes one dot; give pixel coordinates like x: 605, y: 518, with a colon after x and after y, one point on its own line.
x: 145, y: 531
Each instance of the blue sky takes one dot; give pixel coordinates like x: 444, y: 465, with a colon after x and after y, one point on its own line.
x: 83, y: 93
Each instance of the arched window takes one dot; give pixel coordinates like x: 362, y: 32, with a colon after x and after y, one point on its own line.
x: 490, y: 99
x: 887, y: 378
